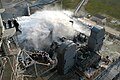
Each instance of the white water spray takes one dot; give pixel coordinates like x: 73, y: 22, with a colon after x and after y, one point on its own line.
x: 37, y: 28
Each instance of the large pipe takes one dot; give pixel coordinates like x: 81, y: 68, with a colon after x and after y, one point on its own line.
x: 79, y: 6
x: 1, y: 26
x: 1, y: 23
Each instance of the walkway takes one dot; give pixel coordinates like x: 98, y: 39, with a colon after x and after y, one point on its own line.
x: 111, y: 72
x: 112, y: 31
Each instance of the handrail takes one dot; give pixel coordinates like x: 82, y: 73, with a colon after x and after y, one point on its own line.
x: 106, y: 70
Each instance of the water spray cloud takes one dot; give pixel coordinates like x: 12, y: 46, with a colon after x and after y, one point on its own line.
x: 42, y: 27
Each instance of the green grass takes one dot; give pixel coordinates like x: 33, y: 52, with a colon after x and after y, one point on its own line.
x: 69, y: 4
x: 109, y: 7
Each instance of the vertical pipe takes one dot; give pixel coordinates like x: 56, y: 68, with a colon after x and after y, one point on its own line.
x: 28, y: 9
x: 1, y: 23
x: 36, y: 69
x: 1, y: 26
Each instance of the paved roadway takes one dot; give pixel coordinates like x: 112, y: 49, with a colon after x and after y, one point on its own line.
x: 112, y: 31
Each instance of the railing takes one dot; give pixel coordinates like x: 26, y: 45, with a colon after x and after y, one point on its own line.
x: 106, y: 70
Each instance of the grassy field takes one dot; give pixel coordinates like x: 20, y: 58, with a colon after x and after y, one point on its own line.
x: 109, y: 7
x: 69, y: 4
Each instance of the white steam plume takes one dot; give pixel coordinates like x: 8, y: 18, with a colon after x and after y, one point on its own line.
x: 36, y: 29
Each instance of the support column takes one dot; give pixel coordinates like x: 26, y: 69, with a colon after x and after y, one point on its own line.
x: 1, y: 26
x: 1, y: 23
x: 5, y: 47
